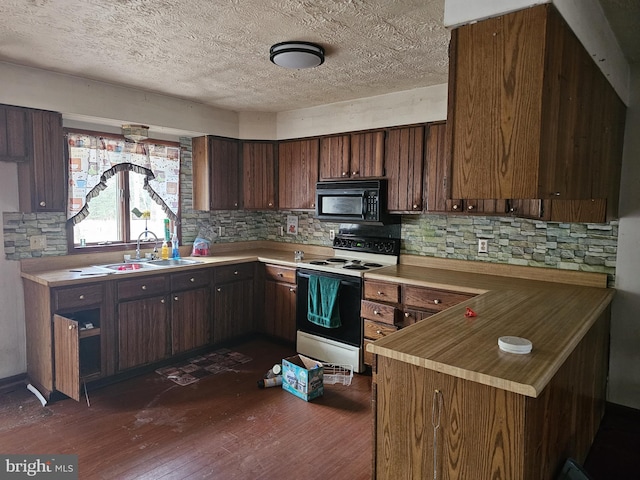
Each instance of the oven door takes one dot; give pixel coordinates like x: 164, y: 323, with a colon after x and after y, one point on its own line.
x: 349, y: 295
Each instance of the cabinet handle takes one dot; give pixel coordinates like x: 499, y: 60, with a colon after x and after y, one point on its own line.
x: 455, y: 207
x: 381, y: 293
x: 345, y: 174
x: 437, y: 301
x: 81, y: 297
x: 218, y: 289
x: 292, y: 290
x: 43, y: 204
x: 407, y: 314
x: 313, y: 205
x: 143, y: 287
x: 555, y: 194
x: 176, y: 298
x: 72, y: 327
x: 354, y: 173
x: 235, y: 272
x: 379, y: 332
x: 235, y: 204
x: 415, y: 206
x: 271, y: 204
x: 162, y: 301
x: 280, y: 274
x: 192, y: 279
x: 470, y: 207
x: 376, y: 312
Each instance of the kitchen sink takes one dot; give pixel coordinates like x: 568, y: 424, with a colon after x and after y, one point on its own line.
x: 173, y: 262
x: 128, y: 266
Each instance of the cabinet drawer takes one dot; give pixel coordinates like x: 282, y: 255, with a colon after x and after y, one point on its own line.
x: 409, y: 317
x: 74, y: 297
x: 431, y: 299
x: 375, y: 330
x: 192, y: 279
x: 230, y: 273
x: 280, y: 274
x: 378, y: 312
x: 139, y: 287
x: 387, y: 292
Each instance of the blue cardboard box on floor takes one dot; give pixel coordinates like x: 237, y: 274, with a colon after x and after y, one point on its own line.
x: 302, y: 376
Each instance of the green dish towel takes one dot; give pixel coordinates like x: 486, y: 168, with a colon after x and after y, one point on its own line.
x: 323, y: 307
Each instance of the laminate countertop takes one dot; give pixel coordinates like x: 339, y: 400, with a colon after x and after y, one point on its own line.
x: 553, y: 316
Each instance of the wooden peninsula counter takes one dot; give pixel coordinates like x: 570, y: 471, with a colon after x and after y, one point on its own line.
x: 499, y: 415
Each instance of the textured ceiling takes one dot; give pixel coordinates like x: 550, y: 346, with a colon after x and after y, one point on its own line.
x: 217, y: 52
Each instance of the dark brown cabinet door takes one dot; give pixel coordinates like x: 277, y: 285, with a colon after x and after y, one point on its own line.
x: 216, y: 173
x: 367, y: 154
x: 15, y: 134
x: 335, y: 155
x: 437, y: 168
x: 233, y: 310
x: 42, y: 182
x: 404, y: 167
x: 142, y: 332
x: 280, y: 310
x: 298, y: 173
x: 66, y: 337
x: 258, y: 165
x: 190, y: 319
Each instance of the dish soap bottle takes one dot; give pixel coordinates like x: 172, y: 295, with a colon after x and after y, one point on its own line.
x: 164, y: 251
x: 175, y: 252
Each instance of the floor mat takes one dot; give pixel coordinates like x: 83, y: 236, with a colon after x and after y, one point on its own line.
x: 193, y: 369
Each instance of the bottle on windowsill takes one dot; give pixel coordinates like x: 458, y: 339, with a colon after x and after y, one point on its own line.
x: 175, y: 251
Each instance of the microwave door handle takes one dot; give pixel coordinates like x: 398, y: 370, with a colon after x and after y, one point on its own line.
x: 364, y: 205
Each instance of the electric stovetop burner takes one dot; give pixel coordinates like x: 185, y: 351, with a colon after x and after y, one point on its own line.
x: 373, y: 265
x: 355, y: 266
x: 318, y: 262
x: 337, y: 260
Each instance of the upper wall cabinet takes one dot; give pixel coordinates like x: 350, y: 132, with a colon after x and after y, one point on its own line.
x: 216, y: 173
x: 297, y: 173
x: 404, y: 167
x: 531, y: 115
x: 259, y: 180
x: 15, y: 134
x: 353, y: 155
x: 42, y: 185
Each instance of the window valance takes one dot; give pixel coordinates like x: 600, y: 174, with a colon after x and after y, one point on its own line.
x: 95, y: 159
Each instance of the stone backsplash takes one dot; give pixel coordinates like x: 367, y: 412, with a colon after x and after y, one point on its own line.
x: 567, y: 246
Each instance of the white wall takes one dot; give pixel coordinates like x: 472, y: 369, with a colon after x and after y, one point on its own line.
x: 624, y: 376
x: 13, y: 359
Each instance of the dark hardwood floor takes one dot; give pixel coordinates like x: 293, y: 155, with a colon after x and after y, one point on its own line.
x: 224, y: 427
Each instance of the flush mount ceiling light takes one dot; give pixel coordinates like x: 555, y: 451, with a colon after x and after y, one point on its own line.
x: 136, y: 133
x: 297, y: 54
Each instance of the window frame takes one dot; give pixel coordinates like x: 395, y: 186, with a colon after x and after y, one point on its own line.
x: 72, y: 248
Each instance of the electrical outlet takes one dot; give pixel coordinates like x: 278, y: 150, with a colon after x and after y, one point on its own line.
x: 332, y: 234
x: 483, y: 245
x: 281, y: 231
x: 221, y: 231
x: 38, y: 242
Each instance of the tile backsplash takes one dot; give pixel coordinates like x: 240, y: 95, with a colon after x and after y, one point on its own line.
x: 515, y: 241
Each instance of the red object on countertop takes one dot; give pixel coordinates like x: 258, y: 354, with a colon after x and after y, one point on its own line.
x: 470, y: 313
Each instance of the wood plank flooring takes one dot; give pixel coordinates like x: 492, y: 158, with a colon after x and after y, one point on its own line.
x: 221, y: 427
x: 224, y: 427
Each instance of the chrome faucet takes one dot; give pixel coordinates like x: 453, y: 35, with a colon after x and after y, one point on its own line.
x: 155, y: 247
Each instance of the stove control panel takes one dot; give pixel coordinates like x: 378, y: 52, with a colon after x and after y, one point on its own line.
x: 386, y: 246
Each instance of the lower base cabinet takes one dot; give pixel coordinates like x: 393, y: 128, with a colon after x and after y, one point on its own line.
x: 280, y: 302
x: 142, y: 332
x: 233, y: 309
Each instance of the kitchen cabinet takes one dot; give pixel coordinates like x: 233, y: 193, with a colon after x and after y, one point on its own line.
x: 298, y: 173
x: 216, y: 173
x: 355, y: 155
x: 15, y: 134
x: 42, y: 184
x: 259, y: 180
x: 67, y: 336
x: 143, y: 328
x: 404, y: 161
x: 387, y: 307
x: 532, y: 125
x: 280, y: 302
x: 233, y: 296
x: 191, y: 318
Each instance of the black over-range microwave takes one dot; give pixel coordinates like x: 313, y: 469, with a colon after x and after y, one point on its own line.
x: 353, y: 201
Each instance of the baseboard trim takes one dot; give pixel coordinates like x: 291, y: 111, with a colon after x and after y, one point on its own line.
x: 11, y: 383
